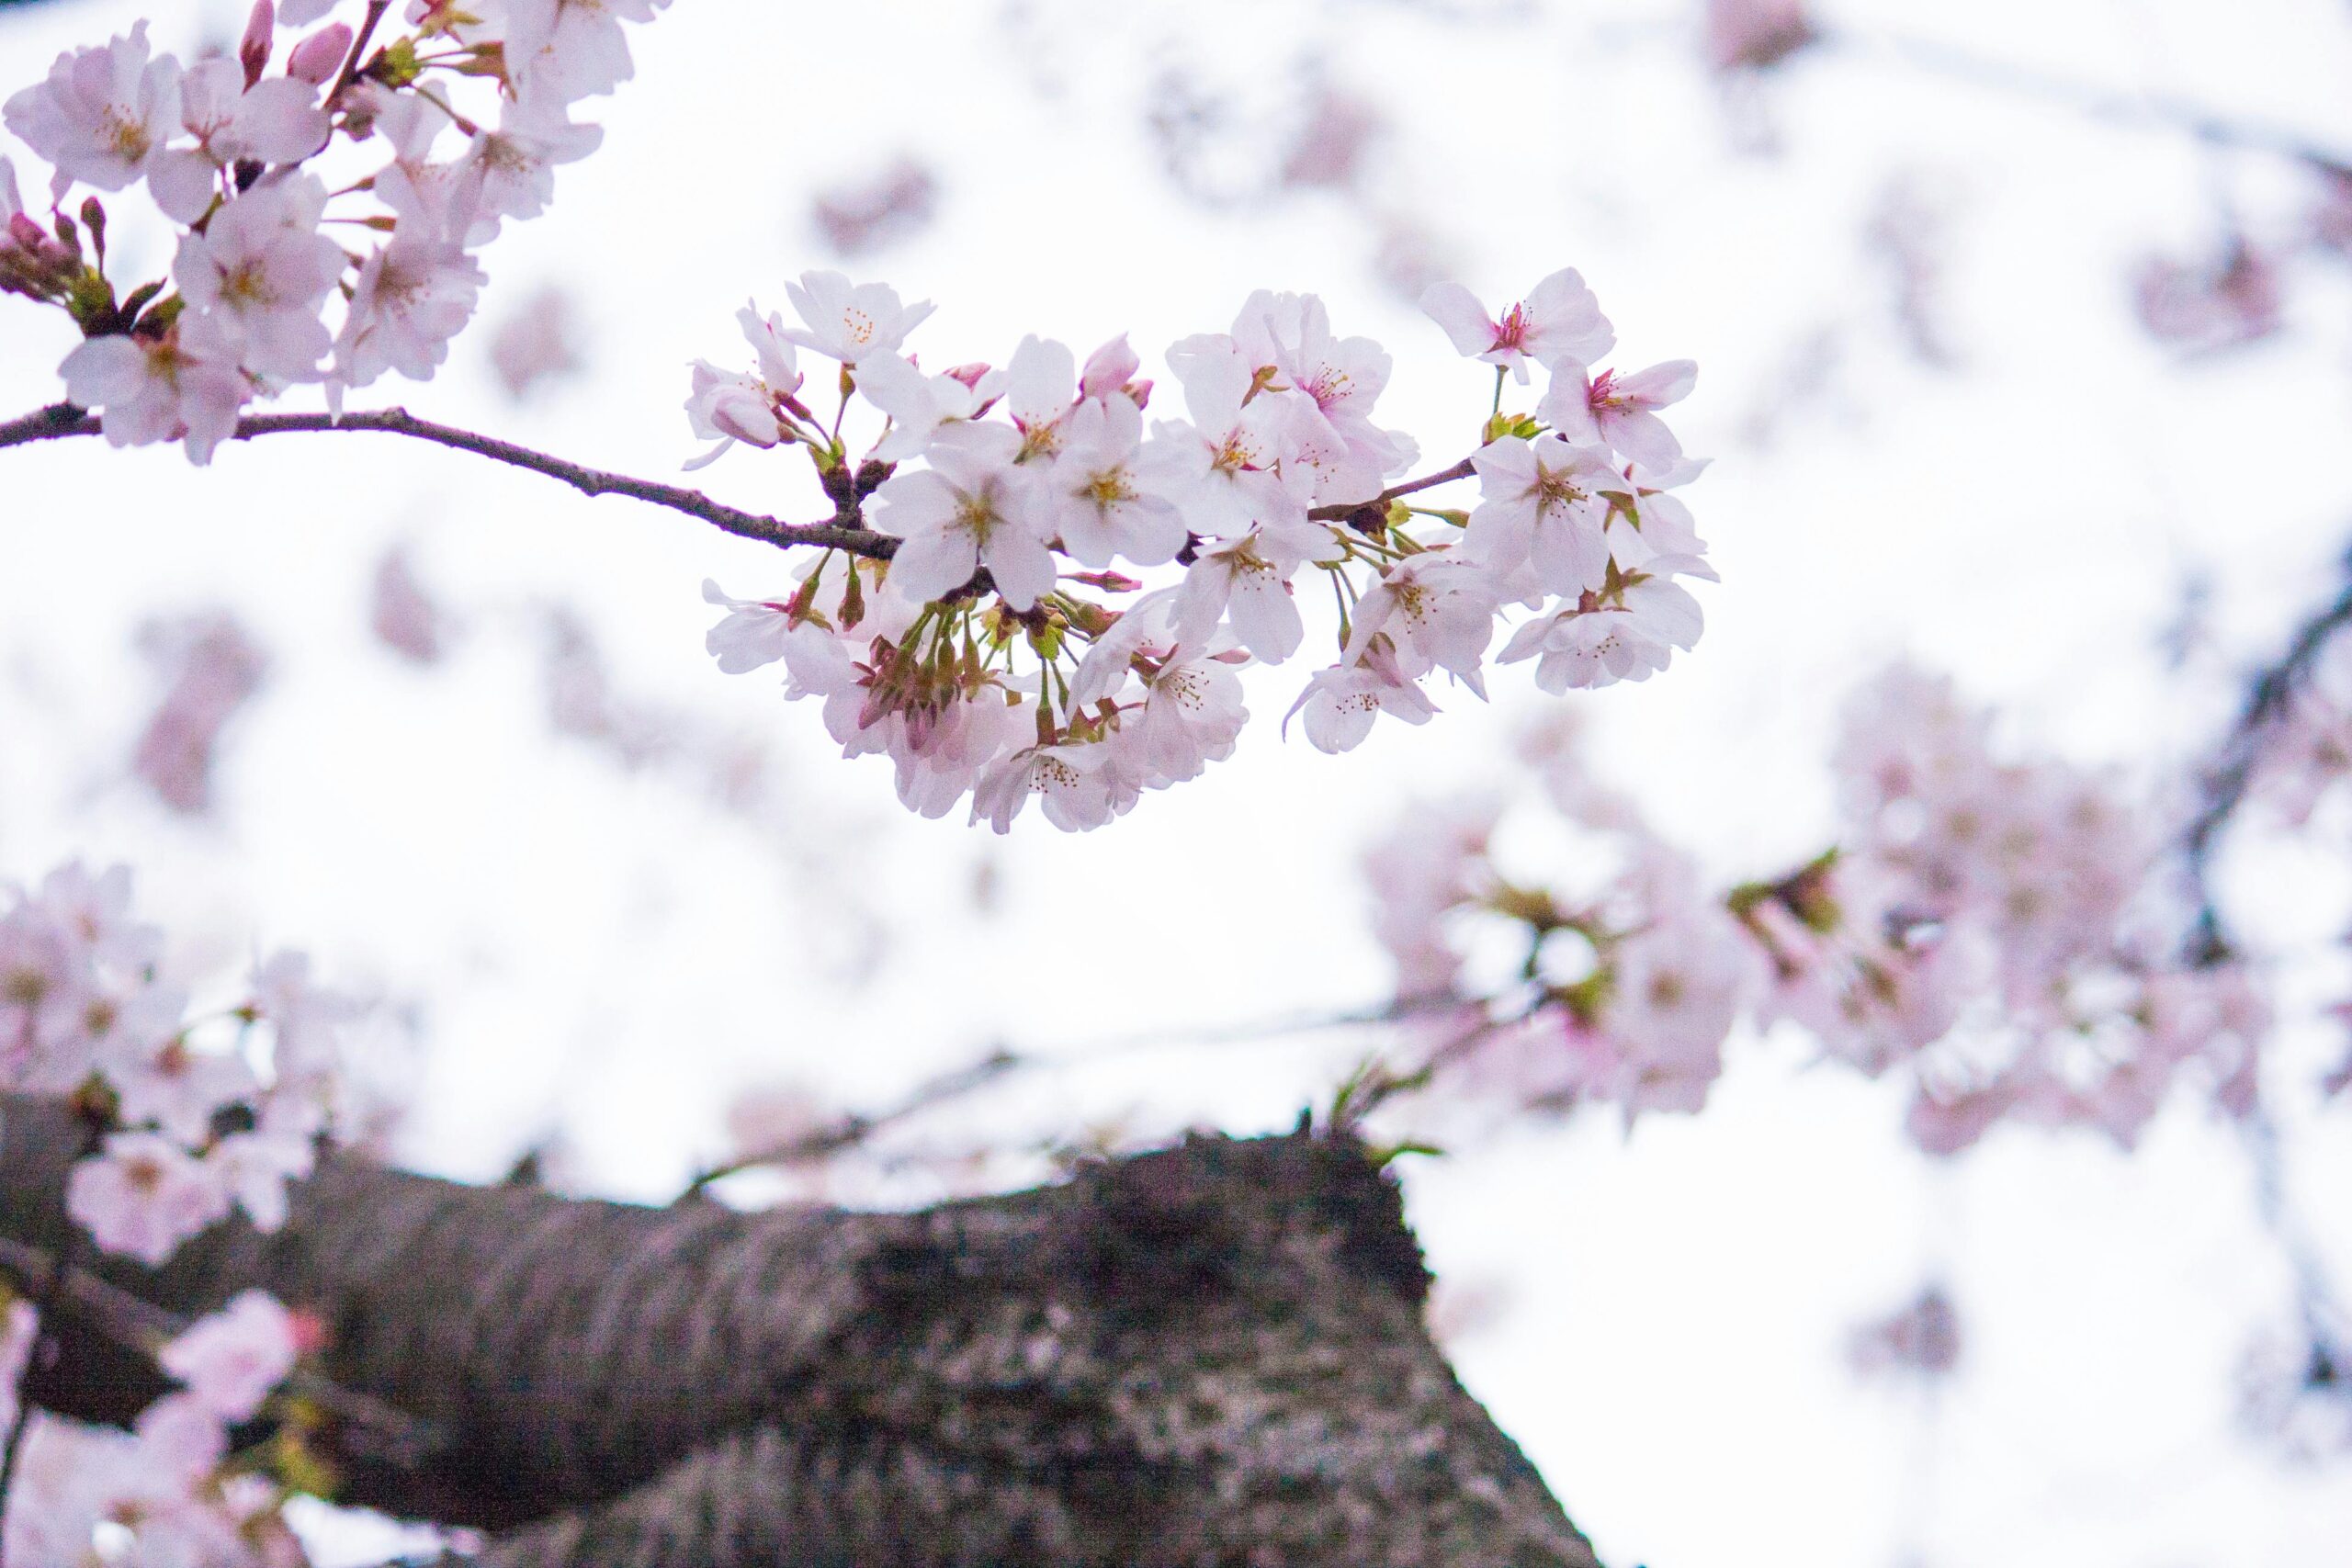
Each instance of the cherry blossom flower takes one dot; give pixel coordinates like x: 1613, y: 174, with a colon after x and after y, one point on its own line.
x: 919, y: 405
x: 101, y: 115
x: 968, y: 510
x: 758, y: 408
x: 570, y: 48
x: 1921, y: 1338
x: 143, y: 1195
x: 213, y: 667
x: 274, y: 122
x: 410, y: 299
x: 1193, y: 714
x: 256, y: 1167
x: 1112, y: 493
x: 184, y: 385
x: 429, y: 198
x: 753, y: 633
x: 1602, y: 645
x: 851, y: 321
x: 172, y: 1085
x: 1342, y: 377
x: 1040, y: 394
x: 1620, y: 413
x: 1435, y: 610
x: 1755, y: 34
x: 1245, y: 437
x: 539, y: 341
x: 1558, y: 319
x: 1244, y: 579
x: 1544, y: 500
x: 1073, y: 784
x: 871, y: 213
x: 230, y: 1359
x: 510, y: 172
x: 1341, y: 703
x: 259, y: 272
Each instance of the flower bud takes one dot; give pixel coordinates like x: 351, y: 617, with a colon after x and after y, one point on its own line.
x: 970, y: 375
x: 316, y: 58
x: 261, y: 33
x: 1109, y: 368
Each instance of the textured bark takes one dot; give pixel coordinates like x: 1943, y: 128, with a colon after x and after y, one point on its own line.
x: 1212, y: 1354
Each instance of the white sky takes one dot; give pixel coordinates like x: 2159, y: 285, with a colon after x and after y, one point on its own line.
x: 603, y: 954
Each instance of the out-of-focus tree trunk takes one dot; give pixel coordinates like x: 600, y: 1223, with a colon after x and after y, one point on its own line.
x: 1212, y: 1354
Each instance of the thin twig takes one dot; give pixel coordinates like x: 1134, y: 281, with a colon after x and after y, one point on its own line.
x: 850, y: 1131
x: 60, y: 421
x: 2115, y: 106
x: 2267, y: 699
x: 350, y: 71
x: 1461, y: 471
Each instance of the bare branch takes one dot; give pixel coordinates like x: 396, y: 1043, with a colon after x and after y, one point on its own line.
x: 60, y: 421
x: 2114, y: 105
x: 2267, y: 698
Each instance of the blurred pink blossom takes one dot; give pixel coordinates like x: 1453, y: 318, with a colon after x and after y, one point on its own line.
x: 213, y: 669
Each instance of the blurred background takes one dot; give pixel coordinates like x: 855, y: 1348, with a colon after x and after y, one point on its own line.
x: 2025, y: 336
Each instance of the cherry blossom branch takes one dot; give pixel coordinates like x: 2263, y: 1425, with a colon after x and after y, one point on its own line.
x: 60, y: 421
x: 852, y: 1129
x: 2226, y: 783
x: 350, y: 71
x: 1461, y: 471
x: 140, y: 1325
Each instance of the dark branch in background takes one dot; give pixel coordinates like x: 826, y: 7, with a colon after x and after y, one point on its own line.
x: 847, y: 1132
x: 852, y: 1130
x: 2113, y: 105
x: 367, y: 1424
x: 2268, y: 698
x: 60, y: 421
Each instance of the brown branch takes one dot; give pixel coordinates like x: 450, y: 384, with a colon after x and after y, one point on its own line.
x: 1461, y: 471
x: 350, y: 71
x: 142, y: 1326
x: 848, y: 1132
x: 2268, y: 700
x: 60, y: 421
x: 2114, y: 105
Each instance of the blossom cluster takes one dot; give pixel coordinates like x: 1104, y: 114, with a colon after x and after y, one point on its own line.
x: 1070, y: 590
x: 172, y: 1489
x: 194, y: 1114
x: 190, y: 1117
x: 2003, y: 937
x: 421, y: 145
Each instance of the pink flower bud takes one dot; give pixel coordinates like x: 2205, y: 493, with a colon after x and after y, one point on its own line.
x: 1141, y: 392
x: 1108, y: 368
x: 318, y: 57
x: 970, y: 374
x: 261, y: 33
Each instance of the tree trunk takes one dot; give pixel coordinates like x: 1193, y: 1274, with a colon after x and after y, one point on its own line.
x: 1212, y: 1354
